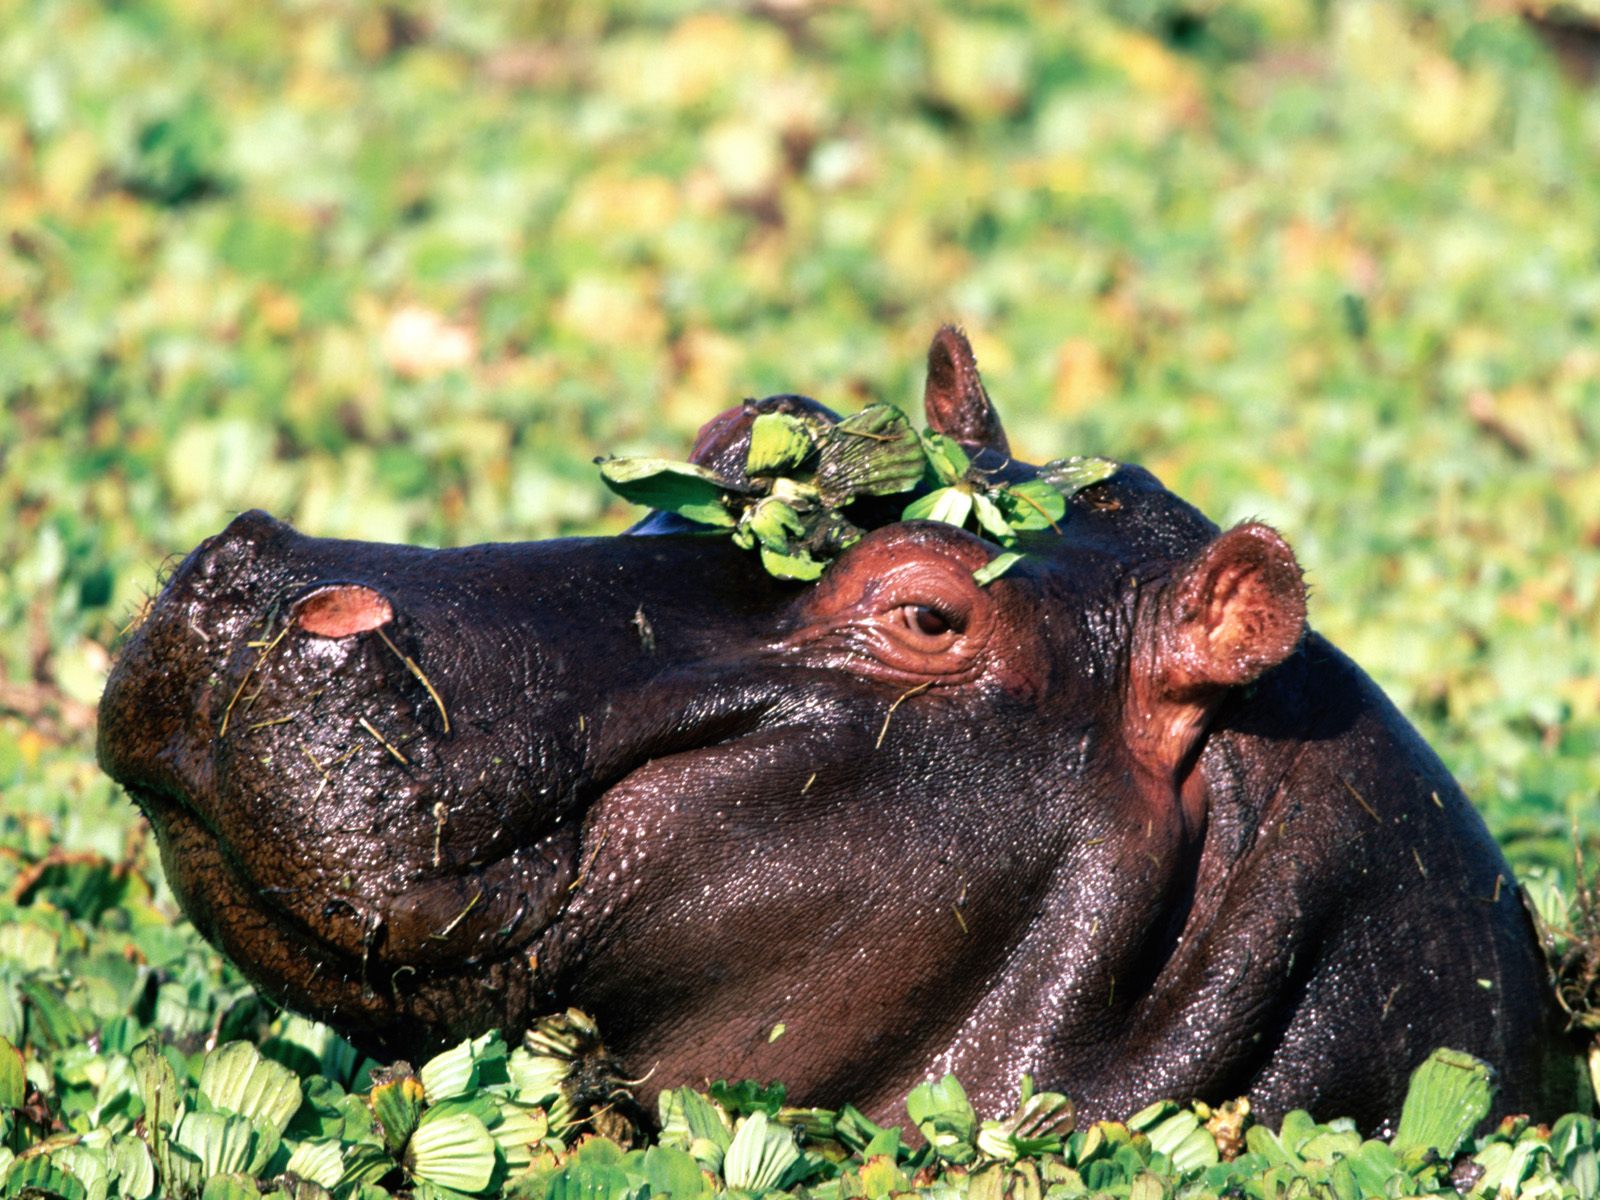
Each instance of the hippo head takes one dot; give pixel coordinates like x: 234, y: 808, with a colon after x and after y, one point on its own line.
x: 1115, y: 818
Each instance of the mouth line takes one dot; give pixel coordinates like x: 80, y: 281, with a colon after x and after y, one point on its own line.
x: 464, y: 919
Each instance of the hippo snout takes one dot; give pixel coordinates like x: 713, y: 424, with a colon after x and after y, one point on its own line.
x: 332, y: 797
x: 172, y: 669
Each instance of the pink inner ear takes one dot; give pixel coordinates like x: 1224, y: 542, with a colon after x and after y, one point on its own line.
x: 1252, y: 606
x: 342, y: 610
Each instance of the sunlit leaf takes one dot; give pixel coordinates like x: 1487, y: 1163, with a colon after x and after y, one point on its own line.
x: 779, y: 443
x: 1449, y: 1095
x: 456, y: 1071
x: 991, y: 520
x: 236, y: 1078
x: 682, y: 488
x: 947, y: 459
x: 319, y: 1160
x: 874, y: 452
x: 798, y: 565
x: 1069, y: 476
x: 941, y: 1111
x: 759, y: 1154
x: 996, y: 567
x: 951, y: 505
x: 453, y: 1150
x: 1032, y: 504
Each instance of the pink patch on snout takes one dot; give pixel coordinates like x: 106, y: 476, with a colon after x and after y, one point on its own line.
x: 342, y: 610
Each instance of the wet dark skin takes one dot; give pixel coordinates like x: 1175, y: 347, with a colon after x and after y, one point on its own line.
x: 1116, y: 819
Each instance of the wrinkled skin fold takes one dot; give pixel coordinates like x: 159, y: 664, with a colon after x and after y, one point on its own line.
x: 1117, y: 819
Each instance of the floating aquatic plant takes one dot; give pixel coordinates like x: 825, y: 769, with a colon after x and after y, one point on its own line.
x: 802, y: 471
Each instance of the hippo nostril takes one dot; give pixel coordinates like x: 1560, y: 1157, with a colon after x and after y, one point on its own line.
x: 234, y: 552
x: 341, y: 610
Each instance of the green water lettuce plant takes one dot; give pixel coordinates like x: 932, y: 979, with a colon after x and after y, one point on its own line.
x: 484, y: 1119
x: 802, y: 471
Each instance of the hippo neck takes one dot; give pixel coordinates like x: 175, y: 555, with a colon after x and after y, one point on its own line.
x: 1093, y: 986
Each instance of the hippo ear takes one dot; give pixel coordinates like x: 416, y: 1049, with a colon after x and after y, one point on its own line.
x: 1234, y: 612
x: 955, y: 400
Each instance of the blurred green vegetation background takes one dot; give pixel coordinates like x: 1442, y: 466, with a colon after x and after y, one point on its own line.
x: 399, y: 271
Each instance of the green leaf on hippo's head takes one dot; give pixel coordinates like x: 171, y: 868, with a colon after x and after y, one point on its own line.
x: 991, y: 520
x: 798, y: 565
x: 951, y: 505
x: 1032, y: 504
x: 686, y: 489
x: 946, y: 458
x: 779, y: 443
x: 874, y: 452
x: 996, y: 567
x: 1070, y: 476
x: 1449, y: 1096
x: 772, y: 523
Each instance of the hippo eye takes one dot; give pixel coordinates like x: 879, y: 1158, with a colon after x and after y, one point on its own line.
x: 930, y: 622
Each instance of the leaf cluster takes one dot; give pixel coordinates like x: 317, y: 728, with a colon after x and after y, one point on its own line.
x: 239, y: 1123
x: 802, y: 472
x: 128, y: 1116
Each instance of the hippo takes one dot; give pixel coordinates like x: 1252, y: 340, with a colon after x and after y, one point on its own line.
x: 1116, y: 819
